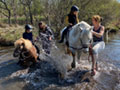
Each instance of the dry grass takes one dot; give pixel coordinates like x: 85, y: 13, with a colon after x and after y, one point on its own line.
x: 10, y: 33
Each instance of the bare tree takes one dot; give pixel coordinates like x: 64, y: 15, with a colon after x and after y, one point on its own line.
x: 4, y: 7
x: 28, y: 4
x: 14, y: 5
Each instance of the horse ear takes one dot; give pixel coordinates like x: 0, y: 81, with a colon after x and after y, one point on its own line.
x: 91, y: 28
x: 81, y: 29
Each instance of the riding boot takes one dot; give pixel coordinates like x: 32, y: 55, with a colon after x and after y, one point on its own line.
x: 38, y: 51
x: 63, y: 35
x: 38, y: 58
x: 62, y: 39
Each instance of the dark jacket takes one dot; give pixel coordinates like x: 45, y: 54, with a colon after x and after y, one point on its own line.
x: 48, y: 32
x: 28, y: 36
x: 71, y: 18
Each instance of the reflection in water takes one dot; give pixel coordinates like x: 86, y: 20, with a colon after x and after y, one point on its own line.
x: 111, y: 52
x: 114, y: 47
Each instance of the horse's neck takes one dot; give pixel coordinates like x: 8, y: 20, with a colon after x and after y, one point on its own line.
x: 77, y: 33
x: 74, y: 38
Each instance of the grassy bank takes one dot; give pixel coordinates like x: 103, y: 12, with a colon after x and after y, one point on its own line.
x: 10, y: 33
x: 113, y: 26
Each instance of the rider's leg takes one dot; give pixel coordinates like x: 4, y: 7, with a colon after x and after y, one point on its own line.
x: 38, y: 51
x: 63, y: 35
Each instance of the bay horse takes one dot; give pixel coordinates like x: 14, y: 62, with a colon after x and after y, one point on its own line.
x: 26, y: 52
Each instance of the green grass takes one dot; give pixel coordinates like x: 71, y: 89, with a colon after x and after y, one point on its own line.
x: 20, y: 20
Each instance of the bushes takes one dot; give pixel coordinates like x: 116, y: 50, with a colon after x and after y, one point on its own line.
x: 53, y: 12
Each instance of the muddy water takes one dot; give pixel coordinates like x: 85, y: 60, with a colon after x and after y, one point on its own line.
x: 8, y: 66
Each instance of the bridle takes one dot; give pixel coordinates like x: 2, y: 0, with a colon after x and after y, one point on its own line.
x: 78, y: 48
x: 81, y: 44
x: 25, y: 54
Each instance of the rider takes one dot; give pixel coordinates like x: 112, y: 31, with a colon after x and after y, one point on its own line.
x: 28, y: 35
x: 46, y: 35
x: 72, y: 19
x: 98, y: 43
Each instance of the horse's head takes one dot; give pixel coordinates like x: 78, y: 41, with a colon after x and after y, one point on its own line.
x: 19, y: 46
x: 18, y: 50
x: 85, y: 34
x: 86, y: 37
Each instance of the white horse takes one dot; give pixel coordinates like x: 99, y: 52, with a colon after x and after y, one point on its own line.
x: 79, y: 38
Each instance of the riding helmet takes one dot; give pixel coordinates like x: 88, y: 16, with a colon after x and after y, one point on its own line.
x: 28, y: 27
x: 74, y: 8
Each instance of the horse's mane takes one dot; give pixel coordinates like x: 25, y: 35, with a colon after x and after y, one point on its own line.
x: 26, y: 42
x: 82, y: 24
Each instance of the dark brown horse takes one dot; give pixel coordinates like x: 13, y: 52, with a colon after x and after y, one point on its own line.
x: 26, y: 52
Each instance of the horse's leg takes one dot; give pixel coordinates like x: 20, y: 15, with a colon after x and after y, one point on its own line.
x: 73, y: 63
x: 79, y: 53
x: 34, y: 60
x: 96, y: 66
x: 66, y: 50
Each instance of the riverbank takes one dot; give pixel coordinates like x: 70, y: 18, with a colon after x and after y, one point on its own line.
x: 10, y: 33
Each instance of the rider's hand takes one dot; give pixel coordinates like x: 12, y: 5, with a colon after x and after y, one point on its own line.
x: 35, y: 40
x: 50, y: 38
x: 70, y: 24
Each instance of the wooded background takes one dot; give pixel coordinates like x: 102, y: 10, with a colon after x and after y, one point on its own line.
x: 53, y: 12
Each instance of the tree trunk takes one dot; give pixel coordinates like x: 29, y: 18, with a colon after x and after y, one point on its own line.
x: 9, y: 17
x: 30, y: 14
x: 26, y: 16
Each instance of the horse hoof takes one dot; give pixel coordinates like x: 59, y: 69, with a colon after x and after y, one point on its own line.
x: 61, y: 76
x: 73, y: 65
